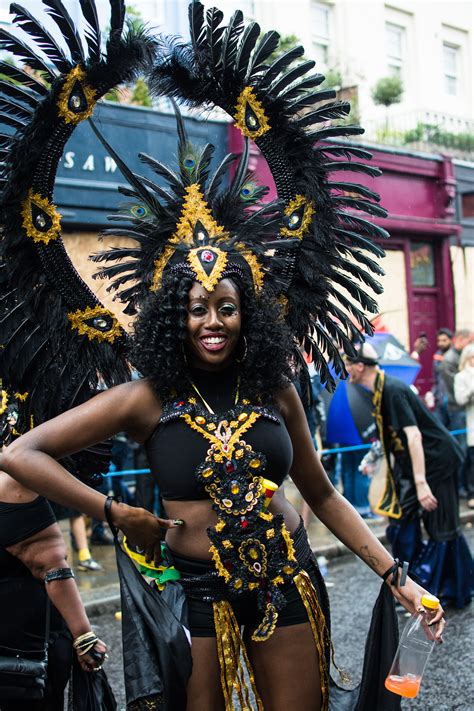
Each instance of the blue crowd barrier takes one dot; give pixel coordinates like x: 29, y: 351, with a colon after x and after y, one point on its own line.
x: 333, y: 450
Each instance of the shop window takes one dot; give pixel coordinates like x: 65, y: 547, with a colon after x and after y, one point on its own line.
x: 395, y: 48
x: 320, y: 30
x: 422, y: 264
x: 451, y: 69
x: 467, y: 204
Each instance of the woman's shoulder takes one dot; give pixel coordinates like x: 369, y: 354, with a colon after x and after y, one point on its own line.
x: 143, y: 405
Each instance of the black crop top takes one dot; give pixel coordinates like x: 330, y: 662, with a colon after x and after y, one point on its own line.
x: 17, y: 523
x: 174, y: 450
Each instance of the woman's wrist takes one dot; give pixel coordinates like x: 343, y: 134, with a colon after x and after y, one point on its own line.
x: 118, y: 512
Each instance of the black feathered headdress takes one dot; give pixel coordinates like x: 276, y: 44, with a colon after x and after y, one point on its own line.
x: 57, y: 338
x: 275, y: 102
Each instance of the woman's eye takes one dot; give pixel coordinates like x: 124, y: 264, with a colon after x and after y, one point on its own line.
x: 197, y: 310
x: 228, y: 309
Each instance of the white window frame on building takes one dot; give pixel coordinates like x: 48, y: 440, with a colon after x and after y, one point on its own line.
x: 451, y: 73
x: 395, y: 55
x: 321, y: 35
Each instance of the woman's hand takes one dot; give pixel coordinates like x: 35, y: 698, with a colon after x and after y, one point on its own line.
x: 93, y: 660
x: 143, y: 530
x: 409, y: 595
x: 425, y: 496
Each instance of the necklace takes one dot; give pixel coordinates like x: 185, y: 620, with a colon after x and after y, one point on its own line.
x: 206, y: 404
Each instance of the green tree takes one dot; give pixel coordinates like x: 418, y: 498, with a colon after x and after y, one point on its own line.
x: 388, y: 91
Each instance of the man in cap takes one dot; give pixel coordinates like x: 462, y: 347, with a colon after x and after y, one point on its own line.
x: 422, y: 459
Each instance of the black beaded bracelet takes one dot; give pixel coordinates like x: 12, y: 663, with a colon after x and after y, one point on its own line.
x: 393, y: 571
x: 58, y: 574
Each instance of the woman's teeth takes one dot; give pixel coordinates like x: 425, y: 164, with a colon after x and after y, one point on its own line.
x: 214, y: 343
x: 214, y: 340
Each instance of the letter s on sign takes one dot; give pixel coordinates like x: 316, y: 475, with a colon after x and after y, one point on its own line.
x: 69, y: 159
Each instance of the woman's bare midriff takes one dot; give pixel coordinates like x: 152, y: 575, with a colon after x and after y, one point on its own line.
x: 191, y: 538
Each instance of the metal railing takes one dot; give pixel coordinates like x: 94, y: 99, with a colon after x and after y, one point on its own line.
x: 432, y: 131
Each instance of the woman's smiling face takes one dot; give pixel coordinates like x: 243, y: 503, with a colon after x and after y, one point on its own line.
x: 213, y: 325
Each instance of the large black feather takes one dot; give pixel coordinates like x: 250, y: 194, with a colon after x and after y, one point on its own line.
x: 18, y: 93
x: 45, y: 41
x: 330, y: 111
x: 11, y: 43
x: 247, y: 44
x: 291, y: 76
x: 230, y: 40
x: 267, y: 44
x: 196, y: 22
x: 22, y: 78
x: 92, y: 32
x: 67, y: 27
x: 214, y: 33
x: 117, y: 19
x: 280, y: 63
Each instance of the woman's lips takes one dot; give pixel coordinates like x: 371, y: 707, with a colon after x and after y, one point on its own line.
x: 213, y: 343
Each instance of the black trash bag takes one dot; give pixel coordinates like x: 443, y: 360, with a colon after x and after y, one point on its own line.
x: 380, y: 648
x: 156, y: 651
x: 89, y: 691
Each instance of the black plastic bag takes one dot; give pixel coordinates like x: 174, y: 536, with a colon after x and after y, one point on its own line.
x: 89, y: 691
x: 156, y: 651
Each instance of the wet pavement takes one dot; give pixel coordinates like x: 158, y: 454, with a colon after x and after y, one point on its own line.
x: 448, y: 684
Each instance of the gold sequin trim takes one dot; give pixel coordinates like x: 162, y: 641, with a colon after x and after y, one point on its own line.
x: 21, y: 396
x: 289, y: 543
x: 231, y: 652
x: 208, y: 281
x: 195, y: 209
x: 319, y: 629
x: 3, y: 402
x: 76, y: 74
x: 78, y: 321
x: 223, y: 572
x: 388, y: 504
x: 253, y: 417
x: 160, y: 265
x: 248, y: 97
x: 307, y: 217
x: 47, y: 207
x: 255, y: 268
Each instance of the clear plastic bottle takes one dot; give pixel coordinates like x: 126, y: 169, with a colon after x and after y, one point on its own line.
x: 414, y: 649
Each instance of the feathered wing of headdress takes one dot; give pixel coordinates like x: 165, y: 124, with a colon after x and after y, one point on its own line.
x: 276, y: 103
x: 57, y: 339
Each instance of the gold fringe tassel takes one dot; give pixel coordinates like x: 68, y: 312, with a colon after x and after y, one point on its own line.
x: 231, y: 650
x: 319, y: 629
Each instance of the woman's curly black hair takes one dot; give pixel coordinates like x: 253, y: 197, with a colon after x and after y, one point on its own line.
x: 157, y: 350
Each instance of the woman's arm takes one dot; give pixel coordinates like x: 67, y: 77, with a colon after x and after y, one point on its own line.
x: 42, y: 553
x: 415, y: 447
x: 463, y: 388
x: 333, y: 509
x: 31, y: 459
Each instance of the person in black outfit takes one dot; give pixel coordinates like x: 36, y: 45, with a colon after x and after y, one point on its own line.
x: 33, y: 567
x: 421, y: 483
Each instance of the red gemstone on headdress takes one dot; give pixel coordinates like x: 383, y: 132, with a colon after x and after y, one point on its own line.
x: 207, y: 256
x: 181, y: 403
x: 244, y: 523
x: 229, y: 466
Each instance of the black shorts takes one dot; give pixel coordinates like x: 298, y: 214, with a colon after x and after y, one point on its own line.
x: 201, y: 612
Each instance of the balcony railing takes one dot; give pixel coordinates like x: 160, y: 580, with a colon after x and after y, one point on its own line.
x: 432, y: 131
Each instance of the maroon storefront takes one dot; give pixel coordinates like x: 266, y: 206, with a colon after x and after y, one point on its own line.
x: 418, y: 191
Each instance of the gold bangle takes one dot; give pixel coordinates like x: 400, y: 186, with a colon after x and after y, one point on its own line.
x: 84, y: 638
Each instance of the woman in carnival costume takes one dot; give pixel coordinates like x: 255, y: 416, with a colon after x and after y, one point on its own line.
x: 224, y: 286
